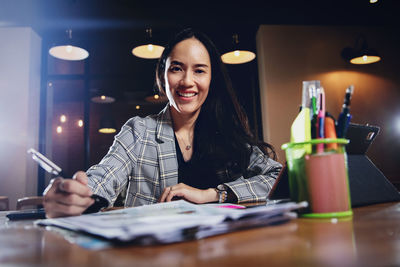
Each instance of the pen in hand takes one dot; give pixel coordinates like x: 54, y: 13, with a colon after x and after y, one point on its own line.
x: 51, y: 167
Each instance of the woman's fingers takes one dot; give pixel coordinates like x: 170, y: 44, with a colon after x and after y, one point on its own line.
x: 74, y: 187
x: 165, y: 193
x: 189, y: 193
x: 67, y: 197
x: 55, y: 209
x: 179, y: 192
x: 81, y: 177
x: 74, y: 200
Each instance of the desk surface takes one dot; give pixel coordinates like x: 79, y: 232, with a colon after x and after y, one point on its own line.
x: 371, y: 238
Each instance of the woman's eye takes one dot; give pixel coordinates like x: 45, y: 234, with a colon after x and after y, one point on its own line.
x: 199, y: 71
x: 174, y: 69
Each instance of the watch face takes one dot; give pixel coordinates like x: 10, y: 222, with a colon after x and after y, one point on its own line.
x: 221, y: 187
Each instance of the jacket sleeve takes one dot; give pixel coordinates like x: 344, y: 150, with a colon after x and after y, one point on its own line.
x: 111, y: 175
x: 257, y: 187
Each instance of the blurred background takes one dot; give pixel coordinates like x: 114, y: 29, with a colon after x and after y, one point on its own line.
x: 58, y: 106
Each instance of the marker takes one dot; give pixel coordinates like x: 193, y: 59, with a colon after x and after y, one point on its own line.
x: 314, y: 110
x: 330, y: 131
x: 344, y: 116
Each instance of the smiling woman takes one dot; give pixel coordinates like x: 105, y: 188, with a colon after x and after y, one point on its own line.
x: 199, y: 147
x: 188, y: 72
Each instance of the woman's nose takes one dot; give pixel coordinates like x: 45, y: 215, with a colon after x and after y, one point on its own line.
x: 187, y: 79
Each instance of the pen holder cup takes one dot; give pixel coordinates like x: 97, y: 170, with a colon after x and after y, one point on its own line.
x: 318, y: 174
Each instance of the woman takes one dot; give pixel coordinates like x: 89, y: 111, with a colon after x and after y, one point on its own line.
x: 199, y: 147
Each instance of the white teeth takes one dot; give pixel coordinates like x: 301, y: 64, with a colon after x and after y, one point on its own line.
x: 186, y: 94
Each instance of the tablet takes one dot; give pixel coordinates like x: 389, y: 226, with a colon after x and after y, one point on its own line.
x: 361, y: 138
x: 280, y: 189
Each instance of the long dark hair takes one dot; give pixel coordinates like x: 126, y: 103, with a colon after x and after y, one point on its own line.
x: 223, y: 139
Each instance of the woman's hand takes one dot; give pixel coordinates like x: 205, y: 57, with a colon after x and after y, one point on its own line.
x: 189, y: 193
x: 67, y: 197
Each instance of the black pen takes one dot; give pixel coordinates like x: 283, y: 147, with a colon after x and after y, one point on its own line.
x: 344, y: 116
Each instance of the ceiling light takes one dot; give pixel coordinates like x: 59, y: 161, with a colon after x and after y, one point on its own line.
x: 63, y: 118
x: 148, y: 50
x: 360, y: 53
x: 68, y: 51
x: 103, y: 99
x: 107, y: 125
x: 157, y: 98
x: 101, y: 96
x: 237, y: 55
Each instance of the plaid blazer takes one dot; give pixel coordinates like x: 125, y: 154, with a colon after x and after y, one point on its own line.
x: 143, y: 159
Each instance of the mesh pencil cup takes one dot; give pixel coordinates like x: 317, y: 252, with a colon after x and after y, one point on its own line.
x: 318, y: 174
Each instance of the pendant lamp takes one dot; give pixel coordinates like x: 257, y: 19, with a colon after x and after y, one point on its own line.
x: 101, y: 96
x: 107, y: 122
x: 237, y: 55
x: 360, y: 54
x: 103, y: 99
x: 68, y: 51
x: 148, y: 50
x: 156, y: 98
x: 107, y: 125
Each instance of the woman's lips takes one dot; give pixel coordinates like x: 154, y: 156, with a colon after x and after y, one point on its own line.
x: 186, y: 94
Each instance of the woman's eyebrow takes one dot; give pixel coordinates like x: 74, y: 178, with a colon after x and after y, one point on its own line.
x: 201, y: 65
x: 175, y: 62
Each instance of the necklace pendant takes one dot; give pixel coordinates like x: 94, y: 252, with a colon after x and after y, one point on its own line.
x: 188, y: 147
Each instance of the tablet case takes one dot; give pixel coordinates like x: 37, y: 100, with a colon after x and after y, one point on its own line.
x: 368, y: 185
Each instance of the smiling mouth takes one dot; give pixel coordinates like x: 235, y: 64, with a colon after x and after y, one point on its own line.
x: 182, y: 94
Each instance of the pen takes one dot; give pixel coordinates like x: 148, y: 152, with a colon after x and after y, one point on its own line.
x: 45, y: 163
x: 321, y: 119
x: 344, y: 116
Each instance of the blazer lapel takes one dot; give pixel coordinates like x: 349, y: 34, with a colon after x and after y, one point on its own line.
x: 166, y: 150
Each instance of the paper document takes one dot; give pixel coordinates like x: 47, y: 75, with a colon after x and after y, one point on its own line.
x: 171, y: 221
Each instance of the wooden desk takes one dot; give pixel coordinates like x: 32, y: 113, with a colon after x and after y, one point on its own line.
x: 372, y: 238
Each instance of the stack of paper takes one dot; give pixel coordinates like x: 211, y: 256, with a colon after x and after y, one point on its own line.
x: 173, y: 221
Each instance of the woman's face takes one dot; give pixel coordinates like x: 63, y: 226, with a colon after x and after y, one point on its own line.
x: 188, y: 76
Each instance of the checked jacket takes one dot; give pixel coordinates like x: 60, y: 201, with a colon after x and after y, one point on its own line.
x: 143, y: 159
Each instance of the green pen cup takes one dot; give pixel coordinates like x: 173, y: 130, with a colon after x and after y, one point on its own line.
x: 318, y: 174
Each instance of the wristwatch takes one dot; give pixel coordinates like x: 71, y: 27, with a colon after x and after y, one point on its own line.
x: 222, y: 191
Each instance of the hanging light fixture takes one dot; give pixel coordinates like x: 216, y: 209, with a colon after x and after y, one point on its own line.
x: 107, y: 122
x: 156, y: 96
x: 107, y: 125
x: 103, y: 99
x: 238, y: 55
x: 101, y: 96
x: 68, y: 51
x: 360, y: 54
x: 148, y: 50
